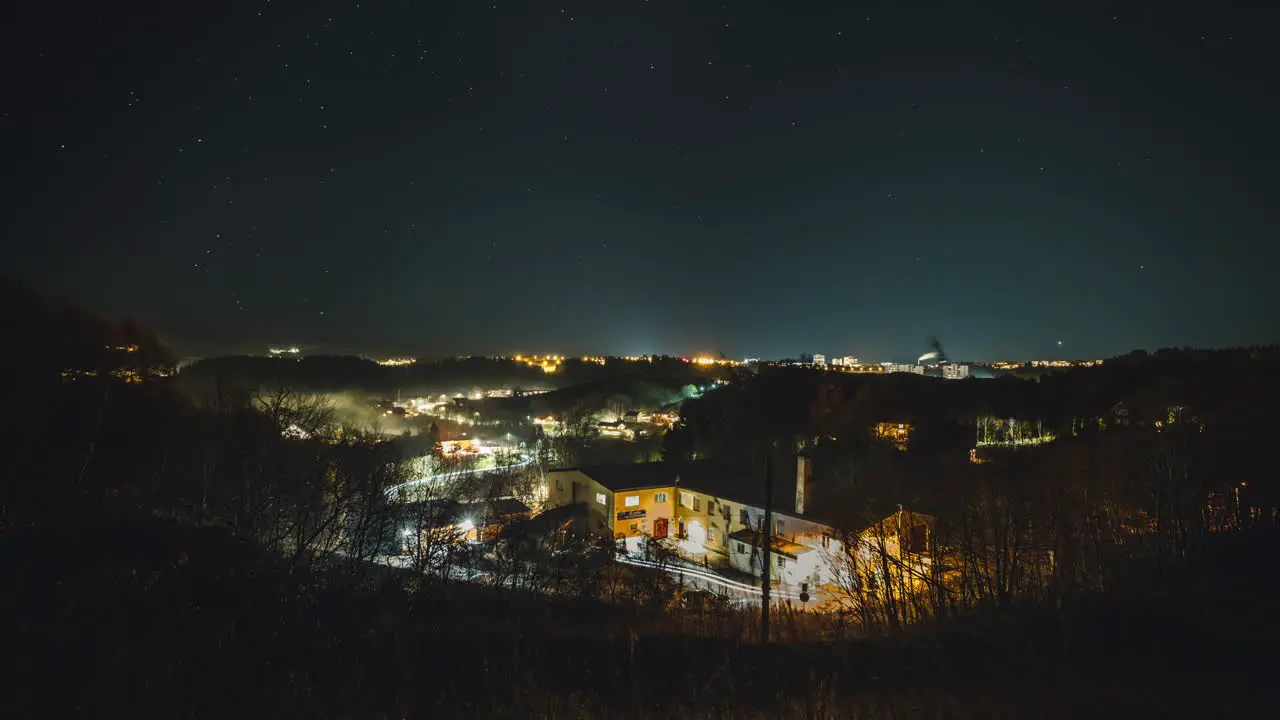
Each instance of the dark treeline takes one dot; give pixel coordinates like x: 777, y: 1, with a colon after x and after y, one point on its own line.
x: 329, y: 373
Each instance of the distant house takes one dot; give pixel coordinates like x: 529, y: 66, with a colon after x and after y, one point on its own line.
x: 444, y: 522
x: 484, y: 519
x: 617, y: 429
x: 1120, y: 413
x: 897, y: 433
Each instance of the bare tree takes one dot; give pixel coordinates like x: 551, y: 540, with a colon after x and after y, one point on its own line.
x: 311, y: 413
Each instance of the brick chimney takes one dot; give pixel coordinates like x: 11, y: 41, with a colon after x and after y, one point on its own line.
x: 804, y: 482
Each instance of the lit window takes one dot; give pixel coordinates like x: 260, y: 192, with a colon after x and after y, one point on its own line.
x: 632, y: 500
x: 686, y: 499
x: 711, y: 534
x: 600, y: 499
x: 660, y: 497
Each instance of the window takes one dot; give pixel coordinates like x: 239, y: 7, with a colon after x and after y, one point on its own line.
x: 600, y: 499
x: 659, y: 497
x: 711, y: 507
x: 782, y: 562
x: 686, y: 499
x: 632, y: 500
x: 697, y: 502
x: 741, y: 548
x: 725, y: 511
x: 559, y: 483
x: 777, y: 527
x: 918, y: 540
x: 711, y: 534
x: 635, y: 528
x: 744, y: 517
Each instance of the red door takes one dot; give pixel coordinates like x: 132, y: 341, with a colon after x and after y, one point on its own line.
x: 660, y: 528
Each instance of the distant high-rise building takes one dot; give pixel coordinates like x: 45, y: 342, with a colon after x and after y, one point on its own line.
x: 819, y: 360
x: 902, y: 368
x: 846, y: 361
x: 955, y: 372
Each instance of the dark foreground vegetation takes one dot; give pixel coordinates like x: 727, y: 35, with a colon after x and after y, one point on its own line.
x: 172, y: 555
x: 157, y: 619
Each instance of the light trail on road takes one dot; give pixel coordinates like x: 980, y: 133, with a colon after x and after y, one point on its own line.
x: 711, y: 578
x: 394, y: 490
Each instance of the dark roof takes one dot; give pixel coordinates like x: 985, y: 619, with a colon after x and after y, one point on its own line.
x: 444, y: 512
x: 745, y: 486
x: 734, y: 484
x: 501, y: 507
x: 740, y: 485
x: 780, y: 544
x: 632, y: 476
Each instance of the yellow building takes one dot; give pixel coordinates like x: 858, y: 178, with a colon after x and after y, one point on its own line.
x: 622, y: 501
x: 897, y: 433
x: 697, y: 505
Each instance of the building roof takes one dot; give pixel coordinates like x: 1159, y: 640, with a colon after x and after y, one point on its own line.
x: 740, y: 485
x: 501, y: 507
x: 737, y: 485
x: 445, y: 512
x: 780, y: 545
x: 631, y: 476
x: 703, y: 477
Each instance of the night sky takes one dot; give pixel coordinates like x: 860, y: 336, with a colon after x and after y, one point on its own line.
x: 762, y: 178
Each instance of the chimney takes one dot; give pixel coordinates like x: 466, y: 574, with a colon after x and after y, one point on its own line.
x: 804, y: 482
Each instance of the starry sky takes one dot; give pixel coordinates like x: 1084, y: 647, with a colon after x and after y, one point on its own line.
x: 1023, y: 180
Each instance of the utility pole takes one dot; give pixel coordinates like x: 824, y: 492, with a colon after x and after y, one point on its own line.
x: 768, y: 548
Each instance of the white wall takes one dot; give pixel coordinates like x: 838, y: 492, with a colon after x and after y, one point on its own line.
x: 802, y: 531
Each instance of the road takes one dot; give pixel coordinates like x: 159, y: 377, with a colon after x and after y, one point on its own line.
x: 702, y: 579
x: 394, y: 491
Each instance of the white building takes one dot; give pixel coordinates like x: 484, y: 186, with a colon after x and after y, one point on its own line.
x: 955, y: 372
x: 792, y: 564
x: 902, y: 368
x: 846, y: 361
x: 819, y: 360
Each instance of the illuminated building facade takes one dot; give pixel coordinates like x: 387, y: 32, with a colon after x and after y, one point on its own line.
x: 708, y: 514
x: 897, y: 433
